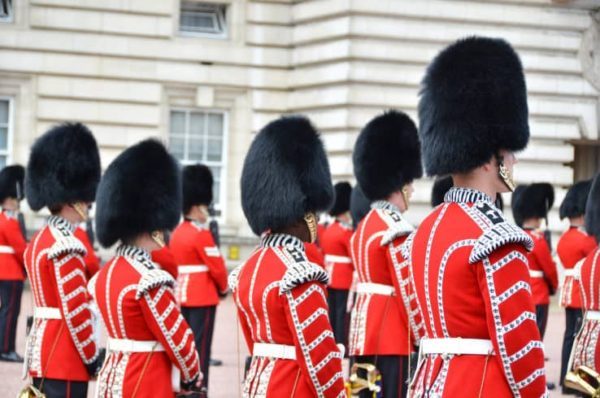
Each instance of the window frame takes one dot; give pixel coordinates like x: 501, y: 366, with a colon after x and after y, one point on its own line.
x: 225, y: 20
x: 10, y: 18
x: 10, y: 129
x: 222, y: 206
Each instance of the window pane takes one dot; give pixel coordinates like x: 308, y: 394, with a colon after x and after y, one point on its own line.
x: 215, y: 124
x: 197, y: 124
x: 196, y: 149
x: 177, y: 122
x: 214, y: 150
x: 2, y: 161
x: 3, y: 138
x: 202, y: 17
x: 216, y: 171
x: 3, y: 112
x: 176, y: 146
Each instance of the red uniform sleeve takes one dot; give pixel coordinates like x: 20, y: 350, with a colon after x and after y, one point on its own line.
x: 92, y: 262
x: 316, y: 352
x: 171, y: 330
x: 588, y: 246
x: 542, y: 254
x: 15, y: 239
x: 71, y: 287
x: 504, y: 282
x: 314, y: 254
x: 211, y: 256
x: 167, y: 261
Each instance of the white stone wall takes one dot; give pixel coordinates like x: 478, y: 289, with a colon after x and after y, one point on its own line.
x: 118, y: 66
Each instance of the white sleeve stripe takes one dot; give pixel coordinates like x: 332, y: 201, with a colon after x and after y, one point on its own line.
x: 529, y: 379
x: 526, y: 350
x: 514, y: 289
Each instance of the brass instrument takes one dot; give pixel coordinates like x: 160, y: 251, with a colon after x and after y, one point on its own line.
x: 31, y: 392
x: 585, y: 380
x: 364, y: 376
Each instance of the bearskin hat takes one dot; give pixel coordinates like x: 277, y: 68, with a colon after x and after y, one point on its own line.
x: 360, y: 205
x: 64, y: 167
x: 473, y: 103
x: 592, y: 209
x: 532, y: 201
x: 139, y: 192
x: 342, y: 198
x: 387, y: 155
x: 11, y: 182
x: 574, y: 202
x: 285, y: 175
x: 440, y: 187
x: 197, y: 186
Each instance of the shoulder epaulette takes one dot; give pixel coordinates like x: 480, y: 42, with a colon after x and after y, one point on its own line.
x: 397, y: 226
x: 497, y: 233
x: 151, y: 279
x: 66, y: 244
x: 300, y: 273
x: 232, y: 279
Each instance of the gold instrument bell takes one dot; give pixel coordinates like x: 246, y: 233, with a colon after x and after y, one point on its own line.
x: 31, y: 392
x: 585, y: 380
x: 363, y: 376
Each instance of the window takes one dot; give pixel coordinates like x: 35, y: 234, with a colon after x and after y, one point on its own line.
x: 6, y: 10
x: 5, y: 130
x: 198, y: 137
x: 586, y: 162
x: 203, y: 19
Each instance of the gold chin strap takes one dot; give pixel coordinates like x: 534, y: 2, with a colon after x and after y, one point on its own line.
x: 80, y: 208
x: 159, y: 238
x: 311, y: 221
x: 506, y: 176
x: 405, y: 196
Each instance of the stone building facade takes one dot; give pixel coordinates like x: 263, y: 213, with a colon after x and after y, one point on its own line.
x: 203, y: 76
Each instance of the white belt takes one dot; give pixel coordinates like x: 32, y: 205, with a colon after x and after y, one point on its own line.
x: 46, y: 313
x: 331, y: 258
x: 375, y: 288
x: 570, y: 272
x: 7, y: 249
x: 456, y: 346
x: 536, y: 274
x: 126, y: 345
x: 192, y: 269
x: 279, y: 351
x: 592, y: 315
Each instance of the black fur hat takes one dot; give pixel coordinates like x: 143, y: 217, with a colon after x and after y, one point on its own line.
x: 473, y: 103
x: 360, y: 205
x: 139, y: 192
x: 285, y: 175
x: 64, y: 167
x: 574, y: 203
x: 532, y: 201
x: 197, y: 186
x: 440, y: 187
x: 341, y: 204
x: 11, y: 182
x: 387, y: 155
x: 592, y: 209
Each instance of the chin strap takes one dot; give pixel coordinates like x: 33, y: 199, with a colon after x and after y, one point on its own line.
x: 311, y: 222
x: 505, y: 174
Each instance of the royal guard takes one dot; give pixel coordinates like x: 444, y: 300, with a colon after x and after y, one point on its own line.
x: 202, y: 273
x: 573, y: 246
x: 280, y: 295
x: 335, y: 242
x: 386, y: 161
x: 62, y: 175
x: 530, y: 205
x: 139, y: 199
x: 12, y: 270
x: 469, y: 264
x: 585, y: 358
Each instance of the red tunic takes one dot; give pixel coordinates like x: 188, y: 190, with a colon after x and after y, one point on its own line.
x: 92, y: 262
x: 586, y: 349
x: 201, y: 273
x: 375, y: 248
x: 335, y: 243
x: 469, y: 269
x: 12, y: 247
x: 280, y: 297
x: 573, y: 246
x: 314, y: 254
x: 542, y: 269
x: 55, y: 265
x: 136, y: 301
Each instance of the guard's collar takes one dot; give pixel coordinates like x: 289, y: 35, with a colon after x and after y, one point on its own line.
x: 466, y: 195
x: 275, y: 240
x: 60, y: 223
x: 385, y: 205
x: 133, y: 252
